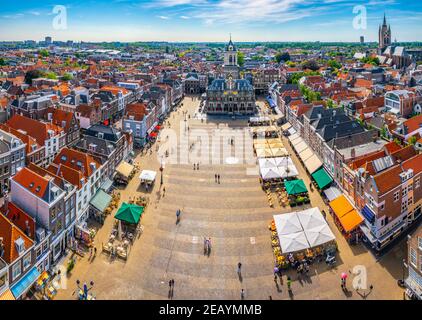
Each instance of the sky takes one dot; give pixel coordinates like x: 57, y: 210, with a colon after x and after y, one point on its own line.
x: 208, y: 20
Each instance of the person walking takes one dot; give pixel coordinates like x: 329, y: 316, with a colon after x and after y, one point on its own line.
x: 95, y: 251
x: 215, y: 176
x: 242, y: 294
x: 289, y: 283
x: 178, y: 216
x: 218, y: 176
x: 239, y: 269
x: 205, y: 246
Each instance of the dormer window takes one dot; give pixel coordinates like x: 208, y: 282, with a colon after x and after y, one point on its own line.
x: 38, y: 189
x: 20, y: 245
x: 31, y: 185
x: 64, y: 158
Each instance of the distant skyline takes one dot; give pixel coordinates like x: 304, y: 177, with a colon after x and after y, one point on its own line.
x: 209, y: 20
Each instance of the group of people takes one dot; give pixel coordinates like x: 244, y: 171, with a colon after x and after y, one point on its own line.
x: 171, y: 288
x: 217, y: 178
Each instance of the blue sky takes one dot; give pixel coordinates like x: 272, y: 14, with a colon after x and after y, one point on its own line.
x: 209, y: 20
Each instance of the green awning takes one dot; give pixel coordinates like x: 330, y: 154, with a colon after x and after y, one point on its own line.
x: 295, y: 187
x: 129, y: 213
x: 101, y: 200
x: 322, y: 178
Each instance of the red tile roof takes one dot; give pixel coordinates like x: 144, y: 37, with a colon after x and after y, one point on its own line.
x: 76, y: 160
x: 32, y: 182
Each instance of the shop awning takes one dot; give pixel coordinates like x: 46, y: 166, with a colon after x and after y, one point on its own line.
x: 301, y: 147
x: 125, y: 169
x: 313, y: 164
x: 148, y: 175
x: 351, y: 221
x: 286, y: 126
x: 129, y: 213
x: 332, y: 193
x: 107, y: 184
x: 322, y: 178
x: 153, y: 134
x: 25, y: 282
x: 295, y: 187
x: 306, y: 154
x: 101, y: 200
x: 7, y: 296
x: 368, y: 214
x: 341, y: 206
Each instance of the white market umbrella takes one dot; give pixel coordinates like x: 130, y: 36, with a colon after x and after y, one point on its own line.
x: 293, y: 242
x: 319, y: 235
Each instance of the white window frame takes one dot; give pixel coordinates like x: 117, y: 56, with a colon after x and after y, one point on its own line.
x: 413, y: 257
x: 25, y: 262
x: 15, y: 267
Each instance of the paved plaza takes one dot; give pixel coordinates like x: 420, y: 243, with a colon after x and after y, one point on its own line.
x: 235, y: 214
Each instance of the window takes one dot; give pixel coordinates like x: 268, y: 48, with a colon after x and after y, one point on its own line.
x: 382, y: 207
x: 26, y: 261
x: 45, y: 247
x: 39, y: 252
x: 404, y: 192
x: 3, y: 280
x: 417, y: 182
x: 420, y: 243
x: 413, y: 259
x: 410, y: 201
x: 409, y: 187
x: 396, y: 196
x: 16, y: 270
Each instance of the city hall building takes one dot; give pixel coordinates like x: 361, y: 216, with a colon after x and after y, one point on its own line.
x: 230, y: 94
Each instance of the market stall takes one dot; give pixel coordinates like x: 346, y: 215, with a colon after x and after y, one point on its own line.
x: 147, y: 177
x: 99, y: 204
x: 124, y: 172
x: 322, y: 178
x: 299, y: 236
x: 346, y: 218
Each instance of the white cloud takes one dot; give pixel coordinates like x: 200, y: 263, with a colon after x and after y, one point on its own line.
x: 164, y: 17
x: 184, y: 17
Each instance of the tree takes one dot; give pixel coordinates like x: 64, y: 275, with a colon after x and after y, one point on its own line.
x: 32, y: 74
x: 50, y: 75
x: 285, y: 56
x: 67, y: 77
x: 43, y: 53
x: 2, y: 62
x: 334, y: 64
x: 412, y: 140
x: 311, y: 65
x: 240, y: 58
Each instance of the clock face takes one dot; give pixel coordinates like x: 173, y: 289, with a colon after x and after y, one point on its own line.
x: 230, y: 48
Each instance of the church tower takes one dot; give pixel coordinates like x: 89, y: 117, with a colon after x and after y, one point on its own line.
x: 384, y: 36
x: 231, y: 68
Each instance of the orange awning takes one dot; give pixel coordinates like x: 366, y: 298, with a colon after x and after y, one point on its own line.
x: 351, y: 221
x: 7, y: 295
x: 341, y: 206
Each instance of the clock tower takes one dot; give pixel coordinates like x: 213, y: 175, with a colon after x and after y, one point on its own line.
x: 230, y: 61
x: 384, y: 36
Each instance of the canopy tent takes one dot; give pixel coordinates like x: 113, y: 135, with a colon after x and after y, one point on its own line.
x: 293, y: 242
x: 275, y: 144
x: 319, y: 235
x: 259, y: 119
x: 341, y: 206
x: 148, y: 175
x: 292, y: 130
x: 322, y: 178
x: 264, y: 153
x: 295, y: 187
x: 311, y: 218
x: 125, y: 169
x: 274, y: 140
x: 279, y: 152
x: 332, y: 193
x: 306, y: 154
x: 313, y: 164
x: 129, y: 213
x: 287, y: 223
x: 288, y: 172
x: 266, y: 163
x: 270, y: 173
x: 101, y: 200
x: 297, y: 141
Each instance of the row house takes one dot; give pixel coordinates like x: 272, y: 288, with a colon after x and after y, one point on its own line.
x: 17, y: 258
x: 67, y: 121
x: 122, y: 140
x: 39, y: 194
x: 263, y: 78
x: 35, y: 153
x: 88, y: 115
x: 409, y: 128
x: 393, y: 202
x: 12, y: 158
x: 177, y: 90
x: 49, y: 135
x: 401, y: 102
x: 34, y: 107
x: 83, y: 173
x: 414, y: 258
x: 135, y: 121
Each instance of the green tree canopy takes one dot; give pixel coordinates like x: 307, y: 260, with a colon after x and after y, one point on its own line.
x: 311, y: 65
x: 2, y: 62
x: 32, y: 74
x: 334, y: 64
x: 282, y: 56
x: 240, y: 58
x: 67, y: 77
x: 43, y: 53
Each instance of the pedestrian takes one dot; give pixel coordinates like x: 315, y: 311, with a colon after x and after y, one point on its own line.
x: 194, y: 165
x: 197, y: 166
x: 172, y: 284
x: 289, y: 283
x: 164, y: 191
x: 95, y: 251
x: 239, y: 269
x: 242, y: 294
x: 205, y: 246
x: 218, y: 176
x: 215, y: 176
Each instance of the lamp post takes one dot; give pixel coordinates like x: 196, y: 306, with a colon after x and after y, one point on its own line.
x: 161, y: 170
